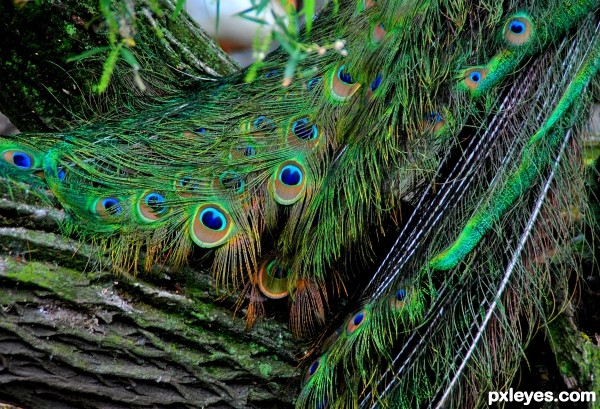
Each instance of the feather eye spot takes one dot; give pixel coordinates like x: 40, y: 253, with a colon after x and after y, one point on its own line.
x: 290, y: 175
x: 151, y: 206
x: 107, y: 207
x: 433, y: 121
x: 243, y: 150
x: 200, y: 131
x: 343, y: 85
x: 378, y: 33
x: 516, y: 27
x: 312, y: 83
x: 213, y: 219
x: 262, y: 123
x: 344, y: 76
x: 111, y: 205
x: 400, y: 294
x: 156, y: 202
x: 232, y: 181
x: 289, y: 183
x: 22, y: 160
x: 398, y: 300
x: 271, y: 74
x: 473, y: 77
x: 61, y: 174
x: 518, y: 30
x: 273, y: 280
x: 211, y: 226
x: 305, y: 130
x: 186, y: 186
x: 19, y: 159
x: 356, y: 321
x: 376, y: 82
x: 312, y: 369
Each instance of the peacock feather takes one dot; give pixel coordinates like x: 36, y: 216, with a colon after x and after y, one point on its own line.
x: 469, y: 111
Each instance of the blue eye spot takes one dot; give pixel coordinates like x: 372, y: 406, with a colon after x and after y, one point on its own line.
x: 433, y: 118
x: 262, y: 123
x: 376, y: 82
x: 322, y: 404
x: 61, y: 174
x: 213, y: 219
x: 200, y: 131
x: 22, y: 160
x: 290, y: 175
x: 400, y: 294
x: 233, y: 181
x: 111, y: 205
x: 185, y: 181
x: 271, y: 73
x: 358, y: 318
x: 314, y: 366
x: 344, y: 75
x: 475, y: 76
x: 312, y: 83
x: 156, y: 202
x: 305, y: 130
x: 516, y: 27
x: 249, y: 151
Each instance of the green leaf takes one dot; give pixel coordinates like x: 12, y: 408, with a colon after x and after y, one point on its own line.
x: 88, y: 53
x: 178, y: 7
x: 109, y: 67
x: 309, y: 13
x: 130, y: 58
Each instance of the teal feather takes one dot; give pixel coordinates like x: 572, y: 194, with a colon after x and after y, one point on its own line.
x: 467, y: 110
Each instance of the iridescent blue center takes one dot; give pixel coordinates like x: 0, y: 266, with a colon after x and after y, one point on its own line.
x: 376, y: 82
x: 475, y: 76
x: 314, y: 366
x: 433, y: 118
x: 156, y: 203
x: 358, y: 318
x: 111, y: 205
x: 290, y: 175
x: 345, y: 76
x: 400, y: 294
x: 22, y: 160
x: 516, y: 27
x: 305, y: 130
x: 271, y: 74
x: 312, y: 83
x: 249, y: 151
x: 213, y: 219
x: 262, y: 123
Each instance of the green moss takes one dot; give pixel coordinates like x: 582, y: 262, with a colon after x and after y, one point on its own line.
x: 265, y: 370
x: 70, y: 29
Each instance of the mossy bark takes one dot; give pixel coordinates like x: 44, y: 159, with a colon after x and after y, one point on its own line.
x: 72, y: 333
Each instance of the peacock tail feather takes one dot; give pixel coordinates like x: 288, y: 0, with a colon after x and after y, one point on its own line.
x: 471, y: 111
x: 441, y: 324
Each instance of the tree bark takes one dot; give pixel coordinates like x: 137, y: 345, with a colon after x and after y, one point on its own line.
x: 72, y: 333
